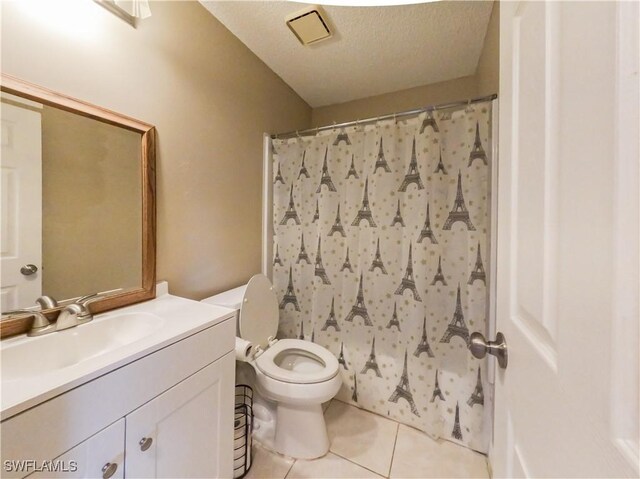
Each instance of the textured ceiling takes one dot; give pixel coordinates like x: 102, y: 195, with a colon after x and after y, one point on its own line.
x: 374, y: 50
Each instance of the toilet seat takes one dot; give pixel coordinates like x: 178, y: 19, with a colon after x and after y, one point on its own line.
x: 328, y: 362
x: 309, y: 363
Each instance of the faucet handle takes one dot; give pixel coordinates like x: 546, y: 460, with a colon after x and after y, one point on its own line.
x: 85, y: 299
x: 85, y: 314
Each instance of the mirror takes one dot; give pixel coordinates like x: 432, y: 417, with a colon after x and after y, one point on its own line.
x: 77, y: 201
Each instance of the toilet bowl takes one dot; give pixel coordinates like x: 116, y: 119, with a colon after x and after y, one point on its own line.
x: 297, y: 375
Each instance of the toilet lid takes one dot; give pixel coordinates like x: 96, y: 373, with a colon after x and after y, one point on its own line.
x: 259, y: 312
x: 327, y: 362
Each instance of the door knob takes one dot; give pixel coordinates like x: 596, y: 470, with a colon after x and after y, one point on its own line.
x: 29, y: 269
x: 479, y: 347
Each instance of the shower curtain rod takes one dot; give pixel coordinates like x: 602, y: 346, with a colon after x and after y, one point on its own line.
x: 442, y: 106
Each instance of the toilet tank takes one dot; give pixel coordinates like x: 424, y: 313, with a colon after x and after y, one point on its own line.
x: 231, y: 299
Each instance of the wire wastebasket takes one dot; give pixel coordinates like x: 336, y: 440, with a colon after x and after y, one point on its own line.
x: 242, y: 428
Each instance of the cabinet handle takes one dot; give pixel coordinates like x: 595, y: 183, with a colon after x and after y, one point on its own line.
x: 109, y: 469
x: 145, y: 443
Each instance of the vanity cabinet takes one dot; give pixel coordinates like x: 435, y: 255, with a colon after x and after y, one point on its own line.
x: 166, y: 414
x: 180, y: 433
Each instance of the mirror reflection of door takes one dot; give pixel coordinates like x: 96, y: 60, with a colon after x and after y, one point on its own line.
x: 21, y: 203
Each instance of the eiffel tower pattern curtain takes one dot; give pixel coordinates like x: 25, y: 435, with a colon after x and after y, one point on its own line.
x: 380, y: 247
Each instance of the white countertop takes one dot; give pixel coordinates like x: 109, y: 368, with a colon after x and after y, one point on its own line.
x: 180, y: 318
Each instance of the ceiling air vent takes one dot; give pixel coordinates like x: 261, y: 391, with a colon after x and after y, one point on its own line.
x: 309, y: 25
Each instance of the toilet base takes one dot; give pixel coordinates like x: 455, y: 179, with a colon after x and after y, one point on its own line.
x: 301, y: 431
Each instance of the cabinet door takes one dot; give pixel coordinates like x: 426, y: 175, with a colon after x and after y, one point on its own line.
x: 186, y: 431
x: 102, y: 455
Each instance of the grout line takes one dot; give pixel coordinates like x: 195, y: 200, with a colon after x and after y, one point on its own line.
x: 424, y: 433
x: 378, y: 415
x: 327, y: 408
x: 275, y: 454
x: 393, y: 454
x: 441, y: 438
x: 366, y: 410
x: 289, y: 470
x: 355, y: 463
x: 398, y: 424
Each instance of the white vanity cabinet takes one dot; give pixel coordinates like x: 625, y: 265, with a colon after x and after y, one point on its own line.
x: 182, y: 432
x: 168, y: 413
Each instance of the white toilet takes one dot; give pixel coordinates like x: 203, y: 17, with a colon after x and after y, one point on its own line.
x: 298, y: 375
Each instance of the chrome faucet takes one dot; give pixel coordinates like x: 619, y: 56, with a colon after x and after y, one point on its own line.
x: 68, y: 317
x: 71, y: 315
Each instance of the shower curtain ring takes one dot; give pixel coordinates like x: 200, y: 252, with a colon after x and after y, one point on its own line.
x: 468, y: 109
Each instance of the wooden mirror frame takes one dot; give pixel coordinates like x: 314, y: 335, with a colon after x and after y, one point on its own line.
x: 15, y: 86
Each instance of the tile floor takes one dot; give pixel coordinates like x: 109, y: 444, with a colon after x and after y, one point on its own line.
x: 365, y: 445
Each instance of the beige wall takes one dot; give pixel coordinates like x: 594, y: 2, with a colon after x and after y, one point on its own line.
x: 91, y: 210
x: 210, y: 99
x: 409, y: 99
x: 487, y: 73
x: 483, y: 82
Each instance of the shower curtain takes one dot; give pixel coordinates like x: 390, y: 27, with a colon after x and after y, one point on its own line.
x: 381, y: 236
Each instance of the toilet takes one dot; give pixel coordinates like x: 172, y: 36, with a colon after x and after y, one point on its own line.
x: 298, y: 376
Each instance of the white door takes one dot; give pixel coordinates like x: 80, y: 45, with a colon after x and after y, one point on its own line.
x: 21, y: 203
x: 568, y: 248
x: 186, y: 431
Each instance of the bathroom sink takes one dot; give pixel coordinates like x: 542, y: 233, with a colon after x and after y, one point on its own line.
x: 35, y: 369
x: 41, y: 355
